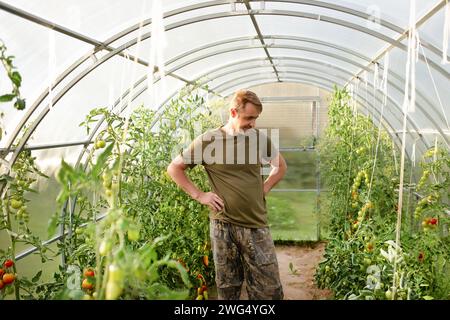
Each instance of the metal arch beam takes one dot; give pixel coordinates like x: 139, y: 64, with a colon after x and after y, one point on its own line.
x: 356, y: 27
x: 328, y: 87
x: 287, y: 58
x: 291, y: 38
x: 373, y: 107
x: 98, y: 46
x: 405, y: 33
x: 214, y: 16
x: 314, y: 3
x: 335, y: 56
x: 227, y: 73
x: 338, y: 8
x: 322, y: 71
x: 392, y: 101
x: 176, y: 25
x: 268, y: 37
x: 85, y: 57
x: 364, y: 15
x: 351, y: 52
x: 293, y: 72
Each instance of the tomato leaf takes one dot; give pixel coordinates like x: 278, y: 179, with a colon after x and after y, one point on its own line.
x: 37, y: 277
x: 7, y: 97
x: 101, y: 161
x: 52, y: 225
x: 16, y: 78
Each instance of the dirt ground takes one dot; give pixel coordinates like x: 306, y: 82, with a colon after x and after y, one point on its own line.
x: 298, y: 283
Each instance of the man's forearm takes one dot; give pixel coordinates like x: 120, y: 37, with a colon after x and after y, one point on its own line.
x: 183, y: 182
x: 274, y: 177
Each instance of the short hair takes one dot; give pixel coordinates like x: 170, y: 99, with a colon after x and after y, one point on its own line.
x: 241, y: 97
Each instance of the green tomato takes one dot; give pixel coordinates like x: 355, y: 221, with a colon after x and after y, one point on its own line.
x: 16, y: 204
x: 388, y: 294
x: 115, y: 273
x: 104, y: 248
x: 107, y: 184
x: 100, y: 144
x: 133, y: 234
x: 113, y: 290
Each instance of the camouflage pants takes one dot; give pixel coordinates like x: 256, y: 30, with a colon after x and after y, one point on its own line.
x: 244, y: 253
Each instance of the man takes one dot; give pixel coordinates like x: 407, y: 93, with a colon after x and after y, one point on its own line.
x: 232, y: 156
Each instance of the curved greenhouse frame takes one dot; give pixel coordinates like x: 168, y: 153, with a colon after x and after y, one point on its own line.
x: 97, y: 98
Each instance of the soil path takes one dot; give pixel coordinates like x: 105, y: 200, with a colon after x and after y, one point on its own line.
x: 300, y: 285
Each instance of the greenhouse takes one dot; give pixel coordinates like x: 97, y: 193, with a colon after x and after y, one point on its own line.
x: 103, y: 103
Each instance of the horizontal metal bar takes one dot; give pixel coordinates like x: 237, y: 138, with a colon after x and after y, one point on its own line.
x: 278, y: 99
x: 50, y: 146
x: 298, y: 149
x: 29, y: 251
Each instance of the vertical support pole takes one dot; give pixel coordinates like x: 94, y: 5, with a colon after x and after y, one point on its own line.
x: 316, y: 107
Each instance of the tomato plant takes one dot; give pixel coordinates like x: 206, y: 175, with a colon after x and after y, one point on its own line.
x: 144, y: 215
x: 358, y: 164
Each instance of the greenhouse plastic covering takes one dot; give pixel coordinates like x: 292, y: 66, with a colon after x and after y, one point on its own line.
x: 91, y: 52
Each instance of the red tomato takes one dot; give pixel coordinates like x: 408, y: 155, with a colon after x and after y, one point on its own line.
x: 8, y: 278
x: 87, y: 285
x: 205, y: 260
x: 89, y: 273
x: 8, y: 263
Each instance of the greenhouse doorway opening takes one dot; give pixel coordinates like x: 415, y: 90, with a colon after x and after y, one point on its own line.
x: 299, y: 114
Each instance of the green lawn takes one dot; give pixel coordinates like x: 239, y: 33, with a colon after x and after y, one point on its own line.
x: 292, y: 215
x: 301, y: 172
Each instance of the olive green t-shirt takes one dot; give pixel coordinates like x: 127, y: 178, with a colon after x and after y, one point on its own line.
x: 234, y: 167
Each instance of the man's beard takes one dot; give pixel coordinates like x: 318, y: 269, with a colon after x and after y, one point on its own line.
x: 245, y: 130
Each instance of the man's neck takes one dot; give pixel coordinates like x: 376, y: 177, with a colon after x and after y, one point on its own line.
x: 230, y: 129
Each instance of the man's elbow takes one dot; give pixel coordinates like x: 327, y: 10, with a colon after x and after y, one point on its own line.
x: 171, y: 169
x: 174, y: 167
x: 283, y: 169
